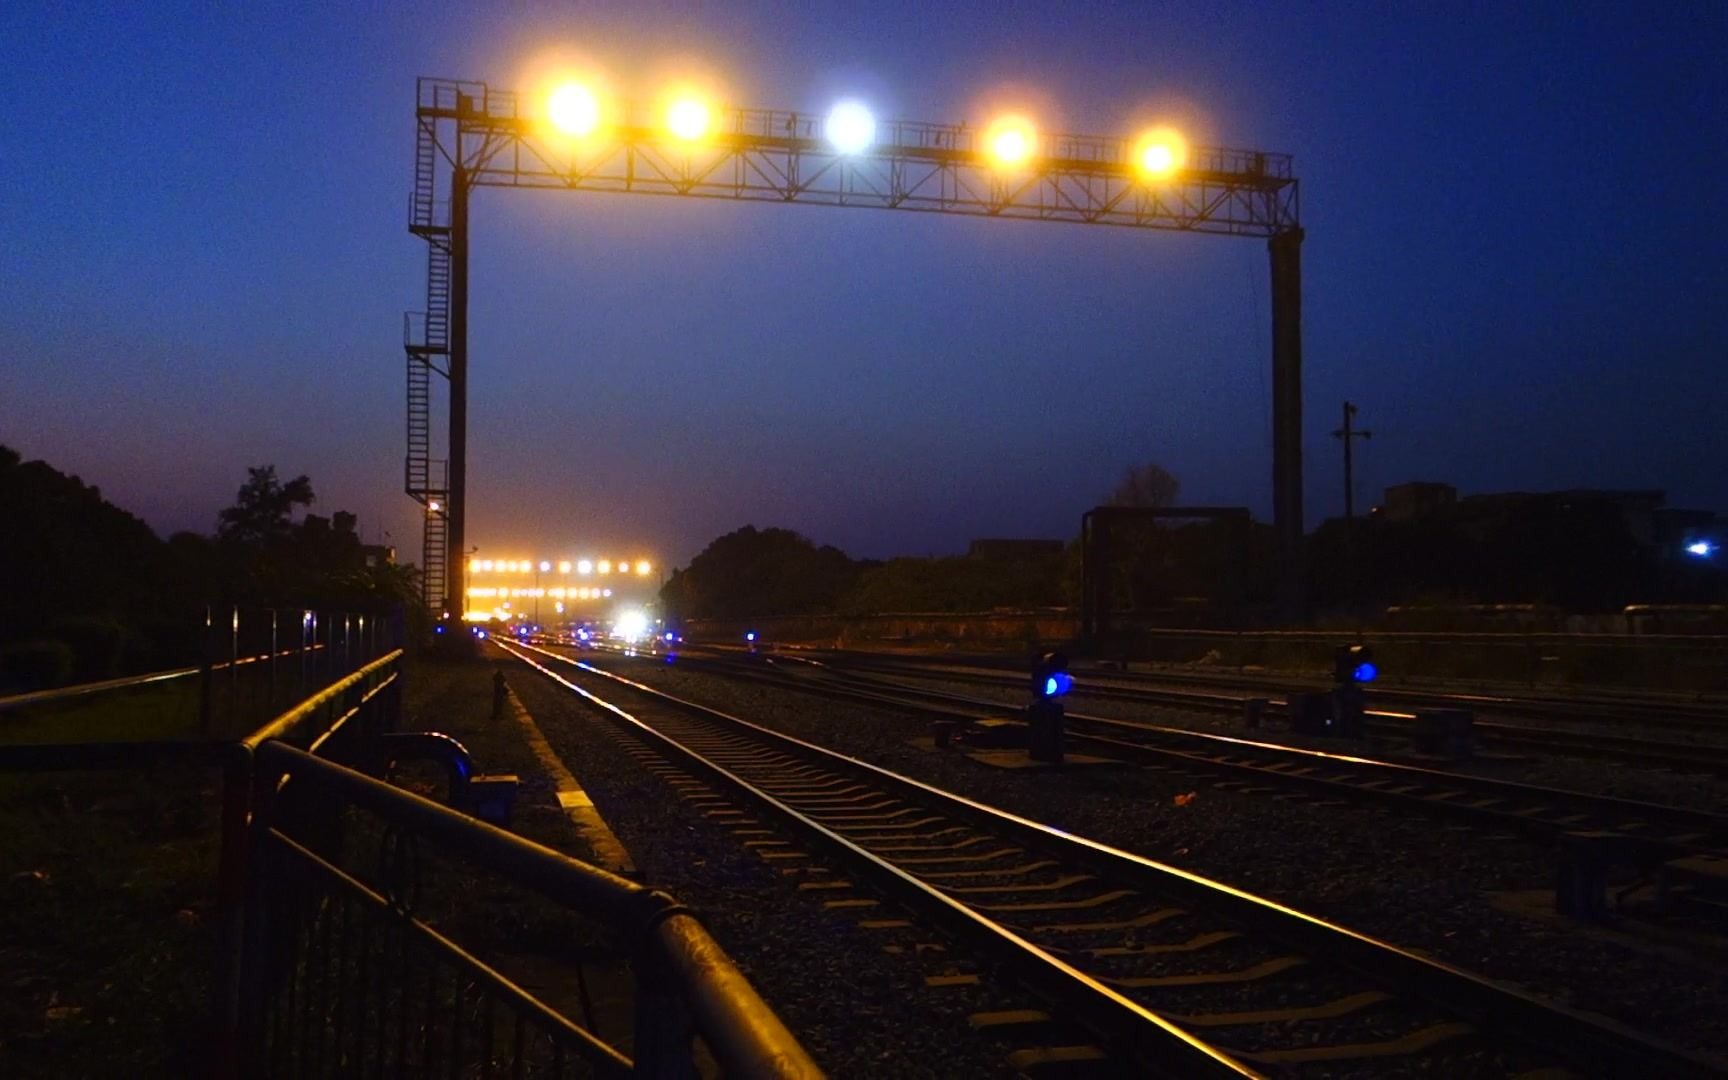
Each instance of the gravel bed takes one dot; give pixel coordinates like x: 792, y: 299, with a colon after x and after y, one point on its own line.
x: 1408, y: 880
x: 1698, y: 791
x: 859, y: 1009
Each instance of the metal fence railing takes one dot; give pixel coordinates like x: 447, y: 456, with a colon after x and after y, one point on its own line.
x: 253, y: 662
x: 329, y: 962
x: 338, y: 970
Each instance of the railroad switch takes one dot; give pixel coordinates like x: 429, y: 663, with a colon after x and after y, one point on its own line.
x: 1253, y: 712
x: 1310, y: 713
x: 492, y: 797
x: 1447, y: 733
x: 1586, y: 861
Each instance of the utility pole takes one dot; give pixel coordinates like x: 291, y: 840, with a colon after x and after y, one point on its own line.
x: 1349, y: 435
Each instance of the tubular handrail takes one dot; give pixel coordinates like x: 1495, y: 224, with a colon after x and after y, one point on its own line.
x: 285, y: 723
x: 739, y: 1027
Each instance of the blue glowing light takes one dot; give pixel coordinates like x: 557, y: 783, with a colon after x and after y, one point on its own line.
x: 1365, y: 672
x: 479, y: 633
x: 437, y: 629
x: 1701, y: 548
x: 1058, y: 684
x: 670, y: 636
x: 750, y: 636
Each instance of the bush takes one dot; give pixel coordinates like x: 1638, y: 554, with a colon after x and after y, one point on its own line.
x: 35, y: 665
x: 96, y: 645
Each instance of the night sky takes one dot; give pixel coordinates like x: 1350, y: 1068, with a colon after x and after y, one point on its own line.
x: 1517, y: 265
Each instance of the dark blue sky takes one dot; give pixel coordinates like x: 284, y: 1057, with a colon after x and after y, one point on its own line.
x: 1515, y: 265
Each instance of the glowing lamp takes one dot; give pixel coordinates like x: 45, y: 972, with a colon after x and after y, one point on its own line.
x: 689, y: 118
x: 1700, y: 548
x: 564, y: 568
x: 584, y: 567
x: 1159, y: 153
x: 850, y: 128
x: 1010, y: 141
x: 545, y: 566
x: 574, y: 110
x: 643, y: 567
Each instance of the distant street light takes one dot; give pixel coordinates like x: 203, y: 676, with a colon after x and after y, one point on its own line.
x: 1701, y: 549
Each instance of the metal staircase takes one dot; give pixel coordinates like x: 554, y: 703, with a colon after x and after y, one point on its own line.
x: 426, y: 340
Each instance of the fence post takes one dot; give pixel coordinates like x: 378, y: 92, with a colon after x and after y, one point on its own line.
x: 233, y: 666
x: 206, y: 650
x: 665, y: 1033
x: 231, y: 891
x: 273, y: 647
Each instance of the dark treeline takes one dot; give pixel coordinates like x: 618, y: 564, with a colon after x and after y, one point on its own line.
x: 1568, y: 552
x: 755, y: 572
x: 89, y: 591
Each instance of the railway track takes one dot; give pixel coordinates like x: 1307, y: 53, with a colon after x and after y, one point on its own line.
x: 1704, y: 717
x: 1646, y: 835
x: 1164, y: 972
x: 1382, y: 723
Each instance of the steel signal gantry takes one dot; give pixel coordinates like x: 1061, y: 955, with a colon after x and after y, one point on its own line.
x: 469, y: 135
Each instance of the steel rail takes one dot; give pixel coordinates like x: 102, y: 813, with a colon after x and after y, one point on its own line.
x: 1157, y: 1043
x: 1713, y: 715
x: 1661, y: 753
x: 1579, y: 1038
x: 1529, y: 808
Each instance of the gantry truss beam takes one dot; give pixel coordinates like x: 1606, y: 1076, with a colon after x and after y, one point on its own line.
x: 470, y: 135
x: 768, y: 155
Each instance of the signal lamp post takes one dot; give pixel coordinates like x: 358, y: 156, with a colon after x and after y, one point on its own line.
x: 1045, y: 716
x: 1352, y: 667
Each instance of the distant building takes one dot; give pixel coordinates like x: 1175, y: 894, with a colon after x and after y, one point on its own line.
x: 1417, y: 500
x: 1647, y: 521
x: 1006, y: 550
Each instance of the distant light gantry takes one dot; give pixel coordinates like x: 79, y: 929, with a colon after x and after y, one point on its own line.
x: 564, y: 567
x: 1008, y: 141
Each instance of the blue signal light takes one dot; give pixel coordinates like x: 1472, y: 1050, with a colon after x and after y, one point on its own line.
x: 1058, y: 684
x: 1365, y: 672
x: 437, y: 629
x: 750, y: 636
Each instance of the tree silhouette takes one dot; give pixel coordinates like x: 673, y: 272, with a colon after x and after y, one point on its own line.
x: 263, y: 510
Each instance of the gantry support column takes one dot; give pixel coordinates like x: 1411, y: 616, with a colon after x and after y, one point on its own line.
x: 1286, y: 252
x: 456, y: 554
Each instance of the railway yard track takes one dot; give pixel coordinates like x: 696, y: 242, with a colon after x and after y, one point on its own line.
x: 1135, y: 966
x: 1548, y: 736
x: 1649, y: 833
